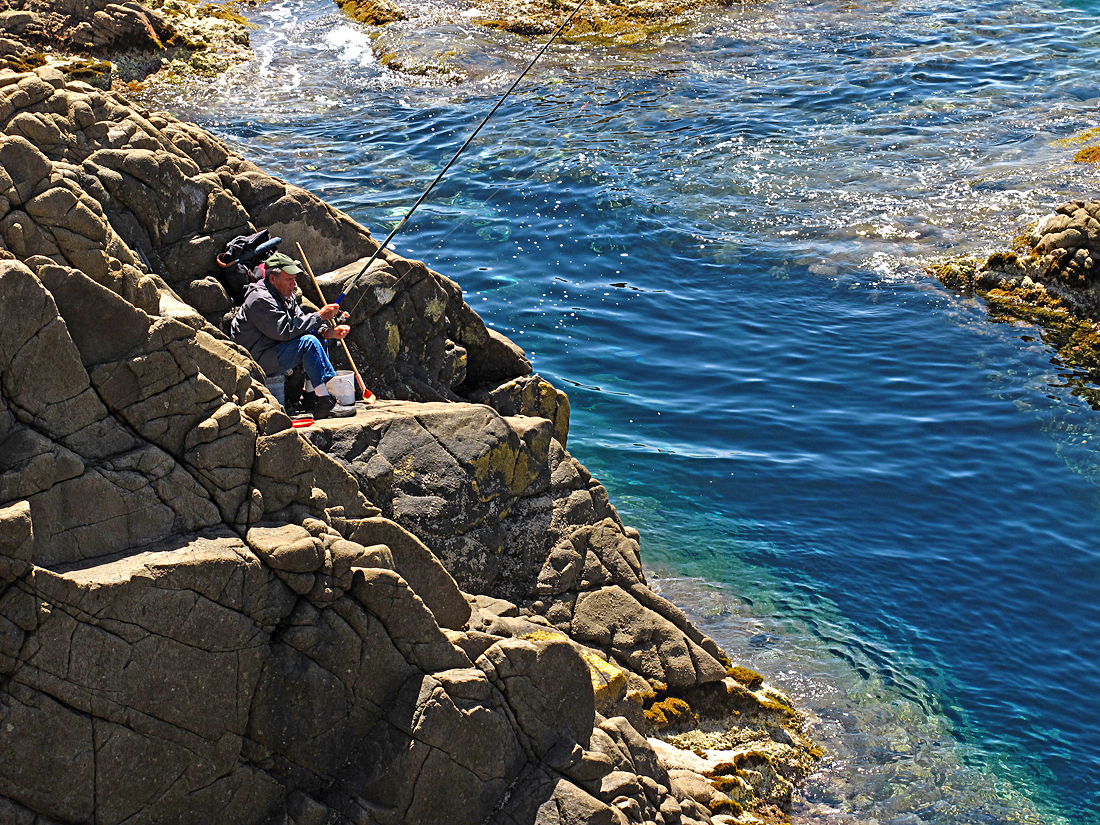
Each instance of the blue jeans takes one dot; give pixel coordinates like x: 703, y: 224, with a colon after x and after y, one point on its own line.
x: 310, y: 352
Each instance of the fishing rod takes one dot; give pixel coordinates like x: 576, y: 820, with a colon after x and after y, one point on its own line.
x: 351, y: 284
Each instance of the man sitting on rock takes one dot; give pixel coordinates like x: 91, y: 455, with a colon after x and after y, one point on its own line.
x: 273, y: 327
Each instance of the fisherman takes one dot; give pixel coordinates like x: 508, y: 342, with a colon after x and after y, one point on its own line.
x: 272, y: 326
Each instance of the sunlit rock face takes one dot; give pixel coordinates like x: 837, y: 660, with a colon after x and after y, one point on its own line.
x: 427, y: 613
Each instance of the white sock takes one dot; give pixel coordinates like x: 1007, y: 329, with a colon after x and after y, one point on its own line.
x: 308, y: 386
x: 321, y: 391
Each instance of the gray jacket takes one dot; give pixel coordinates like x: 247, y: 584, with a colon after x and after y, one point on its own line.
x: 266, y: 319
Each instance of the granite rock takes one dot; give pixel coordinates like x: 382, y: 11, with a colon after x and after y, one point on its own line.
x: 428, y: 613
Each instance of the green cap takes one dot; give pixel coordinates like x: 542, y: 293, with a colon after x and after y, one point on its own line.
x: 284, y: 262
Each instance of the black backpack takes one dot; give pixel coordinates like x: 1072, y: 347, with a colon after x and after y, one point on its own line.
x: 238, y: 262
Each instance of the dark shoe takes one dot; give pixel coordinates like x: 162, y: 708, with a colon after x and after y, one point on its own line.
x: 304, y: 406
x: 328, y: 407
x: 295, y: 391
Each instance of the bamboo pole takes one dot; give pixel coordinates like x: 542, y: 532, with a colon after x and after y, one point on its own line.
x: 368, y: 396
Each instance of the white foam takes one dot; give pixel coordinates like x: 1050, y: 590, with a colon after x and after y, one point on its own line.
x: 294, y: 79
x: 354, y: 45
x: 279, y: 11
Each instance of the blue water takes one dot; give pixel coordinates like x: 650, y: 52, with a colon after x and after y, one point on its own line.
x: 714, y: 242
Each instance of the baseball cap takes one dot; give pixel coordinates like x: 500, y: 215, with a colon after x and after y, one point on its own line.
x: 283, y: 262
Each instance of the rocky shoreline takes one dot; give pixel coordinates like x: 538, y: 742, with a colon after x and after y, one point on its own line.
x: 1049, y: 277
x: 122, y: 45
x: 428, y: 613
x: 140, y: 48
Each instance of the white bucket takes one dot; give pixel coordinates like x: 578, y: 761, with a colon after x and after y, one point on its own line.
x: 276, y: 385
x: 343, y: 387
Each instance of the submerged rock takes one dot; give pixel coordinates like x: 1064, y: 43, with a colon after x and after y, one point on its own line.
x: 430, y: 612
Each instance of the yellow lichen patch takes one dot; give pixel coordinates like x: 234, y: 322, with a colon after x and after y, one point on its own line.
x: 407, y: 467
x: 544, y: 636
x: 608, y: 681
x: 434, y: 309
x: 492, y: 468
x: 393, y: 340
x: 642, y: 697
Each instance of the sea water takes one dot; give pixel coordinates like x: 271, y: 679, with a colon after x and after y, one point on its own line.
x: 715, y: 241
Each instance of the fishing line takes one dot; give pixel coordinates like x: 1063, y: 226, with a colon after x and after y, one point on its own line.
x: 471, y: 212
x: 450, y: 163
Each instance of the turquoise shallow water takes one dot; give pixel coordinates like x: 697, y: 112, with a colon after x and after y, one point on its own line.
x: 853, y: 480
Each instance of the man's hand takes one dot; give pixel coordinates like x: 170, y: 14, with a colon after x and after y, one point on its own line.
x: 339, y: 332
x: 328, y: 312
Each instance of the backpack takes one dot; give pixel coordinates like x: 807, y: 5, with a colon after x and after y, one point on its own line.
x: 241, y: 263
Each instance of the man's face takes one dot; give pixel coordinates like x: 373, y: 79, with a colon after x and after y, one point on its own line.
x: 283, y: 282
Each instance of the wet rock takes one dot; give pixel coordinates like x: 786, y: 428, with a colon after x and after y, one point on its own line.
x: 372, y: 12
x: 625, y: 23
x: 1050, y: 278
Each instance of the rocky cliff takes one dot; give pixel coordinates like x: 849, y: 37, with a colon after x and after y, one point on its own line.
x: 430, y: 613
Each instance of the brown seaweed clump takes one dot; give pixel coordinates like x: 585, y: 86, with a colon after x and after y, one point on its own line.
x: 1050, y: 278
x: 1088, y: 154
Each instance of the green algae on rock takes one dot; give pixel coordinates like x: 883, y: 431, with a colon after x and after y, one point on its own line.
x: 749, y: 678
x: 429, y: 71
